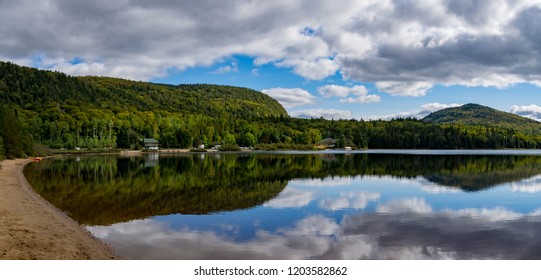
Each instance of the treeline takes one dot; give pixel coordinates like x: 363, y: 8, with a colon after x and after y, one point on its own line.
x: 14, y: 139
x: 414, y: 134
x: 72, y: 126
x: 48, y: 109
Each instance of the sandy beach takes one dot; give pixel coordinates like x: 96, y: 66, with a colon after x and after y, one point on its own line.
x: 31, y: 228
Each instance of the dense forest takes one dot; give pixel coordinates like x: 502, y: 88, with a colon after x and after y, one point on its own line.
x: 43, y: 109
x: 475, y: 114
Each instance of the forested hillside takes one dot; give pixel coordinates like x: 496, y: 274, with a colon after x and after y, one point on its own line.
x: 43, y: 109
x: 37, y: 90
x: 60, y: 111
x: 474, y: 114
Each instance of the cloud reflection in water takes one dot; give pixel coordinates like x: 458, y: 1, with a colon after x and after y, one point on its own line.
x: 400, y: 229
x: 349, y: 200
x: 291, y: 198
x: 530, y: 185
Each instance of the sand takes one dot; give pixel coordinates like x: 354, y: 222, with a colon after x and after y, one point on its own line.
x: 32, y: 228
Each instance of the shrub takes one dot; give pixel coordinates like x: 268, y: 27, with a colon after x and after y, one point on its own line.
x: 229, y: 148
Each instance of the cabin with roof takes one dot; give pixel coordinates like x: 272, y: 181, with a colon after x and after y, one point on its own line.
x: 327, y: 142
x: 151, y: 144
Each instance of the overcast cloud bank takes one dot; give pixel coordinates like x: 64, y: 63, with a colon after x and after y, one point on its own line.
x: 448, y: 42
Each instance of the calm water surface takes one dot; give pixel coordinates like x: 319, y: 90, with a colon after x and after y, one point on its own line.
x: 392, y: 205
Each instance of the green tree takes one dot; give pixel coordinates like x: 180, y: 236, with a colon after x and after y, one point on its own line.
x: 184, y: 139
x: 229, y: 139
x: 1, y: 149
x: 249, y: 140
x: 311, y: 136
x: 15, y: 141
x: 340, y: 141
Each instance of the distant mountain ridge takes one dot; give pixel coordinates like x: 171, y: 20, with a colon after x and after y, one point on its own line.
x: 479, y: 115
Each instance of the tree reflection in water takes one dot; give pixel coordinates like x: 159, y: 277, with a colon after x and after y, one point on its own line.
x: 302, y: 206
x: 106, y: 189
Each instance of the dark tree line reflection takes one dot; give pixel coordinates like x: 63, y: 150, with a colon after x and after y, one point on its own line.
x: 107, y: 189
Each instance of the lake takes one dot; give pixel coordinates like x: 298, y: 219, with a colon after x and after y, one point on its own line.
x: 284, y: 205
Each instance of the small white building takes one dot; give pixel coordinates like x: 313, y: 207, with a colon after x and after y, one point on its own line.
x: 151, y: 144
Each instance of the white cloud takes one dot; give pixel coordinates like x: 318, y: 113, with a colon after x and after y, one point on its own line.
x: 291, y: 198
x: 233, y: 67
x: 349, y: 200
x: 448, y: 42
x: 422, y: 112
x: 325, y: 113
x: 530, y: 185
x: 311, y: 69
x: 420, y: 206
x: 493, y: 215
x: 362, y: 99
x: 290, y: 97
x: 313, y: 225
x: 404, y: 88
x: 436, y: 189
x: 407, y: 205
x: 526, y: 188
x: 530, y: 111
x: 432, y: 188
x: 336, y: 91
x: 431, y: 107
x: 355, y: 94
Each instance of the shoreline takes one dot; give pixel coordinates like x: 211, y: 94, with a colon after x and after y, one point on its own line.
x: 32, y: 228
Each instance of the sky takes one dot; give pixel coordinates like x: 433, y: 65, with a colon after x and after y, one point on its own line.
x: 340, y: 59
